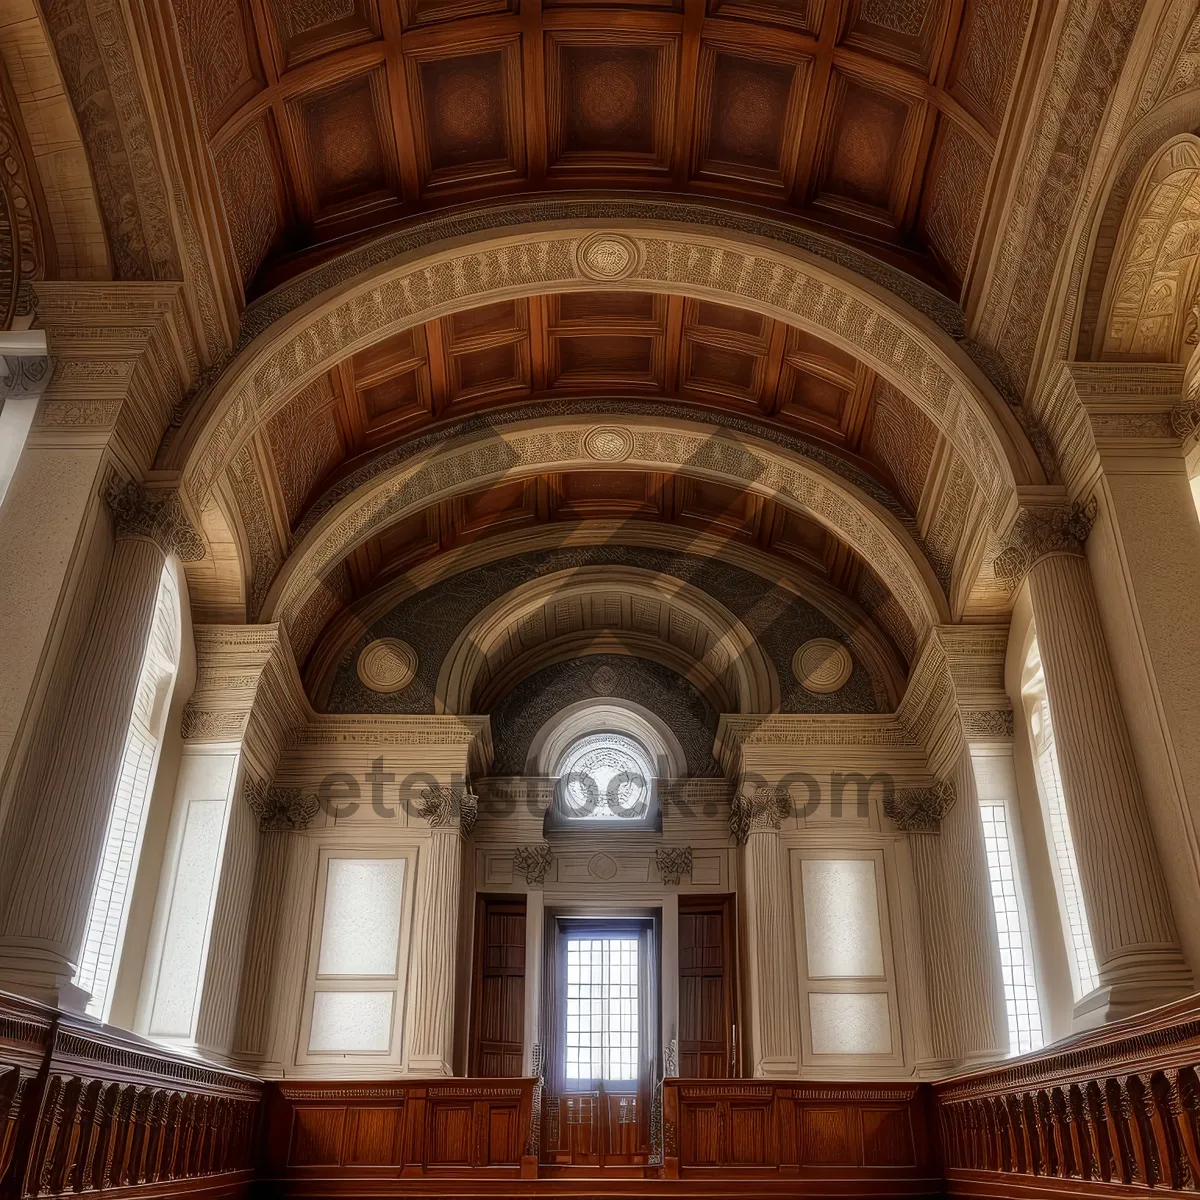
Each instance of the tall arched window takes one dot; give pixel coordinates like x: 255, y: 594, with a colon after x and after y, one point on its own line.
x: 109, y: 908
x: 1085, y: 976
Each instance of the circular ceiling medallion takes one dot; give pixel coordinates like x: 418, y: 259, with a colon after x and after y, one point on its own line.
x: 608, y: 443
x: 607, y: 256
x: 822, y: 665
x: 387, y: 665
x: 601, y: 866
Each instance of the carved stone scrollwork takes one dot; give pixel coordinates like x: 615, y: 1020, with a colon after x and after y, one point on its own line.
x: 766, y: 809
x: 533, y: 862
x: 1185, y: 418
x: 159, y: 517
x: 987, y: 723
x: 921, y: 810
x: 443, y: 806
x: 280, y: 808
x: 24, y: 374
x: 1043, y: 530
x: 673, y: 862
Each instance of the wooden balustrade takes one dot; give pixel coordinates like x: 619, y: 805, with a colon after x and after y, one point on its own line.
x: 86, y: 1108
x: 1105, y: 1113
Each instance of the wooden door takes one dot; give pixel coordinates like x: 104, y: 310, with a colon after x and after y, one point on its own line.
x: 707, y: 1016
x: 498, y: 996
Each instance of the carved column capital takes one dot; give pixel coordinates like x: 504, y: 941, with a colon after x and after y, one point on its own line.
x: 764, y: 810
x: 1041, y: 530
x: 673, y: 862
x: 280, y: 807
x: 158, y: 516
x: 443, y: 807
x: 533, y: 862
x: 921, y: 810
x: 24, y: 375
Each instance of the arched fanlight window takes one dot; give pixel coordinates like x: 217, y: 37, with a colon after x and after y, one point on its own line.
x: 606, y: 776
x: 108, y: 911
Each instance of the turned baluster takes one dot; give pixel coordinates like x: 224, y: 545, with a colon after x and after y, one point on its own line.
x: 1096, y: 1113
x: 1037, y: 1152
x: 1169, y: 1105
x: 1051, y: 1135
x: 166, y: 1169
x: 1003, y: 1136
x: 1067, y: 1147
x: 1020, y: 1141
x: 118, y: 1163
x: 50, y: 1138
x: 1081, y: 1126
x: 1185, y: 1088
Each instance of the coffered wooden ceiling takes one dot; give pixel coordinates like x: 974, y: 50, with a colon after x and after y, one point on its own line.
x: 622, y: 344
x: 330, y: 119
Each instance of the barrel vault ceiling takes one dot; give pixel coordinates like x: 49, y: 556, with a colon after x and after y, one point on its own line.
x: 331, y: 120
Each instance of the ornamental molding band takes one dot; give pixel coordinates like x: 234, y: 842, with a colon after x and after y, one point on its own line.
x: 533, y: 862
x: 1042, y: 530
x: 766, y: 810
x: 988, y: 724
x: 707, y: 263
x: 528, y: 448
x: 445, y: 807
x: 921, y: 810
x: 280, y: 808
x: 673, y: 863
x: 157, y: 516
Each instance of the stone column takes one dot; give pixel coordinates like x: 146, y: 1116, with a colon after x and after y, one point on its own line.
x: 773, y: 1002
x: 451, y: 813
x: 967, y: 1020
x: 78, y: 762
x: 1129, y: 911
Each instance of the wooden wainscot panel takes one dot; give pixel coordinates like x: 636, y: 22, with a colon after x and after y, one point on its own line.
x: 380, y: 1130
x: 870, y: 1137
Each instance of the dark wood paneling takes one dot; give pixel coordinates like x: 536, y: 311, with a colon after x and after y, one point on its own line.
x: 707, y: 975
x: 871, y: 1135
x: 498, y: 994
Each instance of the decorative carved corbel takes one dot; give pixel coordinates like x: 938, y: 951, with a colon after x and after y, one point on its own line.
x: 443, y: 806
x: 280, y: 807
x: 1041, y: 530
x: 673, y: 862
x: 533, y: 862
x: 766, y: 809
x: 921, y: 810
x: 158, y: 516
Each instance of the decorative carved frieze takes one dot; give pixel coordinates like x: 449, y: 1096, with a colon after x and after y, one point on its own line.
x: 985, y: 723
x: 280, y: 807
x: 1041, y: 530
x: 673, y: 862
x: 444, y: 806
x: 921, y: 810
x: 533, y: 862
x: 766, y: 809
x: 207, y: 725
x: 157, y: 516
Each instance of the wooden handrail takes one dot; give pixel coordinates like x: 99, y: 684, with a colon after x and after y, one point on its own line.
x: 1114, y: 1108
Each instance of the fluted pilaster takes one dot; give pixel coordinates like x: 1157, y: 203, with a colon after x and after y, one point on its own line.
x: 1133, y: 930
x: 435, y: 953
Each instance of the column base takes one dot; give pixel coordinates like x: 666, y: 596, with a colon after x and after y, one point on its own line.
x: 428, y: 1064
x: 41, y: 974
x: 1137, y: 984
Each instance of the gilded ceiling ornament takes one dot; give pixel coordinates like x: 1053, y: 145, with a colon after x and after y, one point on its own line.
x: 921, y: 810
x: 1042, y: 530
x: 673, y: 862
x: 608, y: 444
x: 387, y: 665
x: 280, y: 808
x: 446, y: 806
x: 607, y: 257
x: 533, y: 862
x: 157, y: 515
x: 822, y: 665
